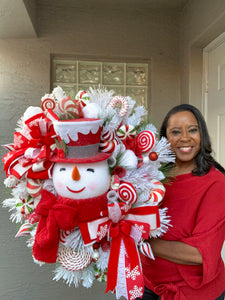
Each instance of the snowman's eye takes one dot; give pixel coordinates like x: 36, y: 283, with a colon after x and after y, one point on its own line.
x: 62, y: 169
x: 90, y: 170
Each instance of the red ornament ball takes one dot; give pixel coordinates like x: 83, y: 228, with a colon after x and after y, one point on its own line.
x: 153, y: 156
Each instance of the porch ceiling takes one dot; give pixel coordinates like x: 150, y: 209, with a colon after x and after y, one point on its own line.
x: 18, y: 17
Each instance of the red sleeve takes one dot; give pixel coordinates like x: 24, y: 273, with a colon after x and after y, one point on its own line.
x: 208, y: 236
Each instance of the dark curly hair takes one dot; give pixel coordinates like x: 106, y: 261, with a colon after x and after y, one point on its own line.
x: 204, y: 159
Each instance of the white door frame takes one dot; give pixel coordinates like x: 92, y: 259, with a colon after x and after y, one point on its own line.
x: 210, y: 47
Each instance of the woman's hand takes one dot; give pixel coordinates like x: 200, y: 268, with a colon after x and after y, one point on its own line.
x: 175, y: 251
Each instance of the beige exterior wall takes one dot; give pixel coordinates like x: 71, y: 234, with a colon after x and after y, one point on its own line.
x: 25, y: 78
x: 201, y: 22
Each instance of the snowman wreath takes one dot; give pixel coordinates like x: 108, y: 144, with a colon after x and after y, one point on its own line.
x: 86, y: 178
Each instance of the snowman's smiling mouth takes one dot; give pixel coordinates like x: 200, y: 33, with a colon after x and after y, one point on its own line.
x: 73, y: 191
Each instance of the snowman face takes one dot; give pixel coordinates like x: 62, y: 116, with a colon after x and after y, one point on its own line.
x: 81, y: 181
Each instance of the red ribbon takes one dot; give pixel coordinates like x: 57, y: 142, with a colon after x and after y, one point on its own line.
x: 118, y: 232
x: 40, y: 136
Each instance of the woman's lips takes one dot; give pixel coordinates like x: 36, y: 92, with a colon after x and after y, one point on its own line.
x: 185, y: 149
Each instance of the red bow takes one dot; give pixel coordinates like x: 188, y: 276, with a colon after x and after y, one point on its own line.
x: 31, y: 150
x: 120, y: 232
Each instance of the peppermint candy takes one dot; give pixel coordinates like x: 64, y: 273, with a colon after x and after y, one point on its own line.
x: 25, y: 206
x: 68, y: 106
x: 145, y: 140
x: 47, y: 103
x: 121, y: 101
x: 82, y: 97
x: 157, y: 194
x: 63, y: 235
x: 108, y: 147
x: 74, y: 260
x: 126, y: 131
x: 108, y: 135
x: 127, y: 193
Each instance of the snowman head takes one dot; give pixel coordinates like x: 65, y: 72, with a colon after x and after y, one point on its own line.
x: 81, y: 181
x: 84, y: 172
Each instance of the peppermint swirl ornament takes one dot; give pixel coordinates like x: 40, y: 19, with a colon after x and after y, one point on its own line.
x: 145, y: 140
x: 127, y: 193
x: 74, y: 260
x: 47, y: 103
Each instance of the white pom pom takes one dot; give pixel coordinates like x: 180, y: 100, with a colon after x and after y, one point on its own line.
x: 31, y: 111
x: 58, y: 93
x: 128, y: 160
x: 11, y: 181
x: 91, y: 110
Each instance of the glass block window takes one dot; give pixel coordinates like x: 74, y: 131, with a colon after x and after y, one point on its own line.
x: 126, y: 79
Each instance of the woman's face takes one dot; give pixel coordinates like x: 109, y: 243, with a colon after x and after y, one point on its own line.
x: 183, y: 134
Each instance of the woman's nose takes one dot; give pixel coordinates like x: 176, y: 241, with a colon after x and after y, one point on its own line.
x: 75, y: 174
x: 185, y: 135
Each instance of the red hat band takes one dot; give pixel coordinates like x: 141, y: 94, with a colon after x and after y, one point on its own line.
x: 82, y: 137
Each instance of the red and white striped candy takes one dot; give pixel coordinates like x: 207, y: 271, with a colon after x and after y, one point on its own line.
x: 126, y: 131
x: 145, y: 140
x: 63, y: 235
x: 82, y: 97
x: 24, y: 230
x: 34, y: 187
x: 123, y: 102
x: 68, y: 106
x: 157, y: 194
x: 108, y: 147
x: 127, y: 193
x: 146, y: 249
x: 47, y: 103
x: 74, y: 260
x: 109, y: 135
x: 25, y: 206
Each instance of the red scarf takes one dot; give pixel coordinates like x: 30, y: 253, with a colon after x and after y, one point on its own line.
x: 58, y: 213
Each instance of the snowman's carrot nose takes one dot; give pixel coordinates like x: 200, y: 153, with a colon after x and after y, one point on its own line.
x: 75, y: 174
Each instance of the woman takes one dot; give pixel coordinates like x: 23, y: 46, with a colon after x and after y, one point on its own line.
x: 188, y: 263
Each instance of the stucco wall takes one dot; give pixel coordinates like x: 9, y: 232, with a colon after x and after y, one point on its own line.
x: 200, y: 23
x: 25, y: 78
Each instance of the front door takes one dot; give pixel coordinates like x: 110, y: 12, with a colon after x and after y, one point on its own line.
x: 214, y: 98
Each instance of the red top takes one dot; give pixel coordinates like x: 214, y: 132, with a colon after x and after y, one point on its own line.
x: 197, y: 209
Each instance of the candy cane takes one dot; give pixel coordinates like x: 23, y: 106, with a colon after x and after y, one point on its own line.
x: 47, y: 103
x: 157, y: 194
x: 24, y: 229
x: 34, y: 187
x: 127, y: 193
x: 145, y: 140
x: 126, y: 131
x: 124, y: 104
x: 74, y: 260
x: 146, y: 249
